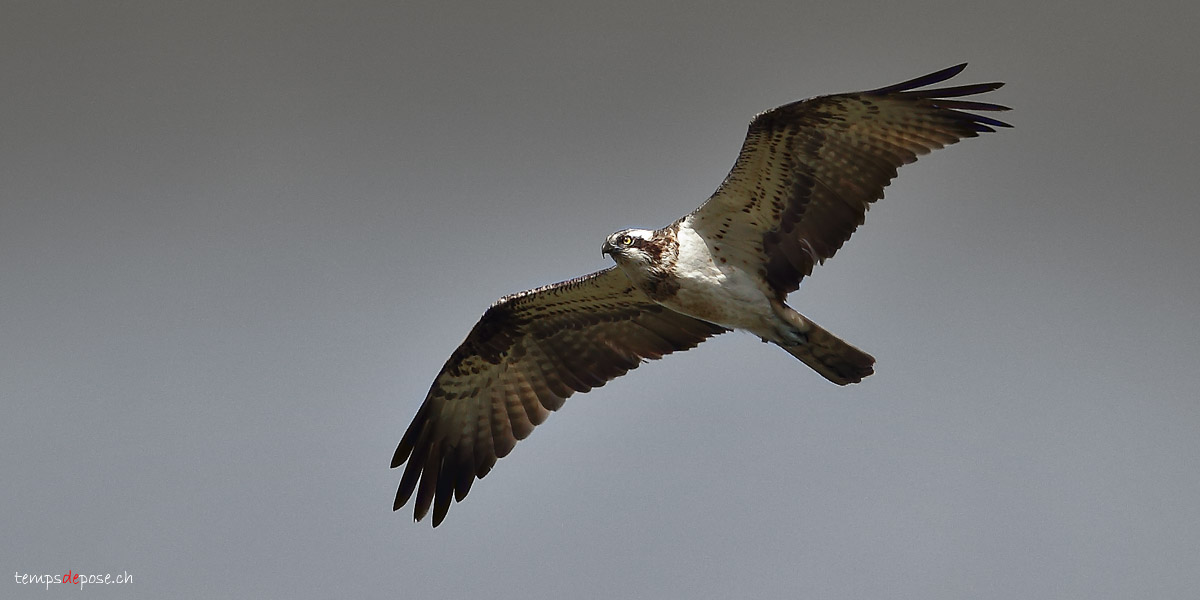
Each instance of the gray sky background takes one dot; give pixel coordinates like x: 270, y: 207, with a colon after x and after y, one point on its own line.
x: 238, y: 240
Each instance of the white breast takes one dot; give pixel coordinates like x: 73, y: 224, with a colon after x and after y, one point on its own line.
x: 723, y: 293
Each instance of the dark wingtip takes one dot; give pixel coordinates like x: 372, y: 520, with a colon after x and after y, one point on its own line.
x: 400, y: 456
x: 411, y: 438
x: 408, y: 481
x: 960, y: 90
x: 947, y: 97
x: 989, y: 121
x: 420, y: 511
x: 969, y: 105
x: 922, y: 81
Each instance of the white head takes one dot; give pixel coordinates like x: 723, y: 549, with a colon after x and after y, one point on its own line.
x: 632, y: 246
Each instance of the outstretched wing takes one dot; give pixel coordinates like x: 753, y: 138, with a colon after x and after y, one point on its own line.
x: 808, y: 170
x: 528, y: 353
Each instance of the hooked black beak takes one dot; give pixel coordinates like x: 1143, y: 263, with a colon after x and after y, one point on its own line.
x: 607, y: 248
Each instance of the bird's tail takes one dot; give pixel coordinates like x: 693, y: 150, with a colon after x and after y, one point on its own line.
x: 826, y: 353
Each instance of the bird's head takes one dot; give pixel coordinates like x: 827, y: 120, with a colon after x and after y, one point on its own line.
x: 630, y: 246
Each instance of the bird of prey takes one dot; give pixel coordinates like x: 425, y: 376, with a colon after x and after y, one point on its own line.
x: 801, y: 185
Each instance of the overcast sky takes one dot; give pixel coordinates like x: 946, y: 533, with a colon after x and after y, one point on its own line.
x: 238, y: 240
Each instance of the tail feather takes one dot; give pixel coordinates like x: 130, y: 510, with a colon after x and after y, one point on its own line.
x: 832, y: 357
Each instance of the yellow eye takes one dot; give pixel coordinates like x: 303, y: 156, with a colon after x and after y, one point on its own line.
x: 627, y: 241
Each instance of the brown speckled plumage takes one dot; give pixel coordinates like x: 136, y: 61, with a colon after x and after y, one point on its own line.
x: 801, y: 185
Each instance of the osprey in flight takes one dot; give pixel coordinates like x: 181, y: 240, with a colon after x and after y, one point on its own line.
x: 801, y: 185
